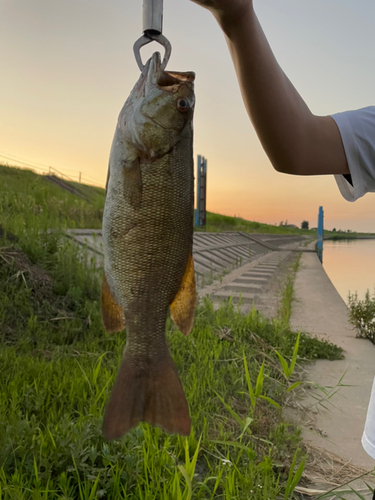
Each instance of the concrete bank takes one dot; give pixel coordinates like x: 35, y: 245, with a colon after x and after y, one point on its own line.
x: 319, y: 309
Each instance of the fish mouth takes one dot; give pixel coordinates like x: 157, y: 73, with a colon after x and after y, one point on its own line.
x: 167, y: 80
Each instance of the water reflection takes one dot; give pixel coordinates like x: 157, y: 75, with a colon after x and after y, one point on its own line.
x: 350, y: 265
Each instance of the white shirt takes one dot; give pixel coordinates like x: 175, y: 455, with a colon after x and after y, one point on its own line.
x: 368, y: 438
x: 357, y: 129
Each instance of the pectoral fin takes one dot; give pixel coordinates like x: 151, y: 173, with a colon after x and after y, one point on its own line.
x: 183, y: 305
x: 112, y: 314
x: 107, y: 181
x: 133, y: 183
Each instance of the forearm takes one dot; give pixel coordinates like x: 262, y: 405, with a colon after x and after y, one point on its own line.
x: 295, y: 140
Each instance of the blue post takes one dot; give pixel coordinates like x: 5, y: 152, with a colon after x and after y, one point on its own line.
x: 200, y: 214
x: 320, y: 234
x: 198, y: 190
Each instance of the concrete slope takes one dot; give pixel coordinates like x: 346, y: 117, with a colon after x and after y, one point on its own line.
x: 258, y: 282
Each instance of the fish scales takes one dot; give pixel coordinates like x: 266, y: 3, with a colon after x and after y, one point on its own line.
x: 148, y: 237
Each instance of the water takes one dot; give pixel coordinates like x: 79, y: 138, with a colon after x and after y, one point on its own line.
x: 350, y: 265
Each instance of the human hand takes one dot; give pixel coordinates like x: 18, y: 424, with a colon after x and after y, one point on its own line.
x: 225, y: 10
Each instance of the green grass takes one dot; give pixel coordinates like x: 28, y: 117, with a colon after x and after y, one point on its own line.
x: 54, y: 383
x: 32, y: 201
x: 285, y: 308
x: 57, y: 366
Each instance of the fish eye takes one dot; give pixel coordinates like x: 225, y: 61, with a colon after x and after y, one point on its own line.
x: 182, y: 105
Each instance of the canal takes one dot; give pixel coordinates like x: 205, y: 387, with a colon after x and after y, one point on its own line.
x: 350, y: 265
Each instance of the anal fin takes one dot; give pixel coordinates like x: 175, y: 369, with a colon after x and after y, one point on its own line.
x: 112, y: 314
x: 183, y: 305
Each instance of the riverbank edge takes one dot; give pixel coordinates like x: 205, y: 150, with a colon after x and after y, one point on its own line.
x: 319, y: 310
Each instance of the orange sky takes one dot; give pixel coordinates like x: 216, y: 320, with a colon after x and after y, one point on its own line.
x: 67, y: 68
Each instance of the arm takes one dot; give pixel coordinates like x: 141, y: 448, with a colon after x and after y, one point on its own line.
x: 295, y: 140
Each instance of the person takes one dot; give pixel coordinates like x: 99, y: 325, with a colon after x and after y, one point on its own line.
x: 295, y: 140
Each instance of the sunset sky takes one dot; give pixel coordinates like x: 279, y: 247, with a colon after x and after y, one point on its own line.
x: 67, y: 66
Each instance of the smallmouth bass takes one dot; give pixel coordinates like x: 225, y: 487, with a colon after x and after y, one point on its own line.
x: 147, y: 239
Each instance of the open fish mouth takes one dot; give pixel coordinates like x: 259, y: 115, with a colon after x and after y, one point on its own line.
x: 166, y: 80
x: 154, y: 76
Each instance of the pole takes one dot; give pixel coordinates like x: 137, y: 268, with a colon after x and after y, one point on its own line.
x: 200, y: 213
x: 203, y: 192
x: 197, y: 224
x: 320, y: 234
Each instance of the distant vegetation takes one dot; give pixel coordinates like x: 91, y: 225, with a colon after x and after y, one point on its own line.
x: 218, y: 223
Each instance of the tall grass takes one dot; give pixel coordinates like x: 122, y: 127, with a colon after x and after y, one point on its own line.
x: 54, y: 387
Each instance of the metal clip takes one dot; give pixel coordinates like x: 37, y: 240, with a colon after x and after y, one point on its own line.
x: 148, y: 38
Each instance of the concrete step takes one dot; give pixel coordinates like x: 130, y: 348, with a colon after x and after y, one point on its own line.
x: 249, y: 281
x: 266, y: 267
x: 246, y: 297
x: 254, y: 274
x: 238, y: 287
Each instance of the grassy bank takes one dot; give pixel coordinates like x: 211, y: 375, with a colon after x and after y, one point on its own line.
x: 24, y: 196
x: 31, y: 201
x: 57, y: 366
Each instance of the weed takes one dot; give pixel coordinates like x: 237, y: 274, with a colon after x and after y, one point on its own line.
x: 362, y: 315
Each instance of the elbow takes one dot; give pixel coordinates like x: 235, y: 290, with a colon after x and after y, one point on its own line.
x: 292, y: 164
x: 296, y: 150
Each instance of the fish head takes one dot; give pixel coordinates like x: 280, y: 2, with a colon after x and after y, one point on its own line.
x: 159, y: 110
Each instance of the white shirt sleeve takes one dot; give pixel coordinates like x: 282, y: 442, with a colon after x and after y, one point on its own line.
x: 368, y: 438
x: 357, y: 129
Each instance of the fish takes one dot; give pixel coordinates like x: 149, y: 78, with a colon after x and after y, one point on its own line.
x: 148, y: 241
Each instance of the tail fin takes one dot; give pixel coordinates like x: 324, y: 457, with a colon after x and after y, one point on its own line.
x: 153, y: 395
